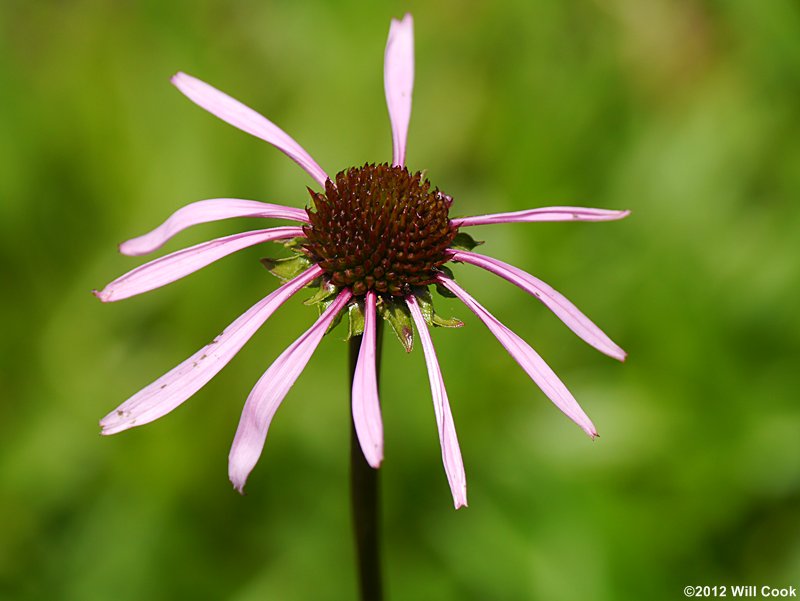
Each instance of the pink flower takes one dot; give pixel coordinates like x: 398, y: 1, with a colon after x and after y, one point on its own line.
x: 375, y: 239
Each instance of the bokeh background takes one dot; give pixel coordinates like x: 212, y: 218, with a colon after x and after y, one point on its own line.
x: 686, y: 112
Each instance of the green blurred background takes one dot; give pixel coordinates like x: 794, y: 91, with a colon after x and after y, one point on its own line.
x: 686, y: 112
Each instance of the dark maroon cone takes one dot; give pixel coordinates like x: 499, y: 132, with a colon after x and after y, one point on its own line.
x: 379, y: 227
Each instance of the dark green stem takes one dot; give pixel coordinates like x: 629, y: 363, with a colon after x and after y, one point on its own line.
x: 364, y: 497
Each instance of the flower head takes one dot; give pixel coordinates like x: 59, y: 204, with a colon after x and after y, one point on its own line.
x: 379, y: 227
x: 373, y: 241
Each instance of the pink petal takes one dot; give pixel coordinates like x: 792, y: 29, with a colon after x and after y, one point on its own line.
x: 234, y: 112
x: 398, y: 82
x: 366, y: 405
x: 528, y: 359
x: 204, y: 211
x: 174, y: 387
x: 543, y: 214
x: 169, y: 268
x: 451, y: 453
x: 553, y: 300
x: 270, y: 390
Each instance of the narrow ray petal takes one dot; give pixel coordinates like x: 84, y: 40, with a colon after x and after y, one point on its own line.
x: 270, y: 390
x: 543, y: 214
x: 398, y: 83
x: 552, y: 299
x: 451, y: 453
x: 366, y: 404
x: 237, y: 114
x: 528, y: 359
x: 174, y: 387
x: 204, y: 211
x: 172, y: 267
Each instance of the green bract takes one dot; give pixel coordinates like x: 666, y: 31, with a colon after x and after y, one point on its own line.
x: 393, y: 309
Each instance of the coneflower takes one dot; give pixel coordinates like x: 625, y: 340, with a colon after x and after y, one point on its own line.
x: 370, y: 245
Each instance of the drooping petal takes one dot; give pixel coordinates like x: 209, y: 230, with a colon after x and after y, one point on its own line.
x: 543, y: 214
x: 451, y: 453
x: 172, y: 267
x: 552, y: 299
x: 528, y: 359
x: 174, y: 387
x: 398, y: 83
x: 366, y: 404
x: 237, y: 114
x: 204, y: 211
x: 270, y: 390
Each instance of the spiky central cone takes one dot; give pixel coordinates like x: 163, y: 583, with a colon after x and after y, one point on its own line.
x: 379, y: 228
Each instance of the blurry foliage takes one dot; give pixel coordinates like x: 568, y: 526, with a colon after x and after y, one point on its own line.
x: 685, y: 112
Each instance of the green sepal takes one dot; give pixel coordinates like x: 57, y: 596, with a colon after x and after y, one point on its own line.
x: 444, y: 291
x: 321, y: 306
x: 325, y: 292
x: 356, y: 320
x: 295, y: 244
x: 464, y: 241
x: 288, y: 268
x: 425, y: 300
x: 447, y: 271
x: 397, y: 313
x: 441, y: 289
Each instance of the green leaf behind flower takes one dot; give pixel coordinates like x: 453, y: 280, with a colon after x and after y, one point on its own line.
x: 429, y: 313
x: 288, y: 268
x: 398, y: 315
x: 325, y: 292
x: 355, y: 312
x: 464, y: 241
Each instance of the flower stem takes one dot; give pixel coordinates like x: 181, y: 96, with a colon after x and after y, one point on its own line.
x: 364, y: 497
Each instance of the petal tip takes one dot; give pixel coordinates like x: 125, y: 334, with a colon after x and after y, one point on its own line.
x: 128, y: 249
x: 615, y: 215
x: 117, y: 421
x: 107, y: 429
x: 405, y: 21
x: 176, y: 79
x: 373, y: 457
x: 238, y: 483
x: 615, y: 352
x: 376, y: 456
x: 102, y: 295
